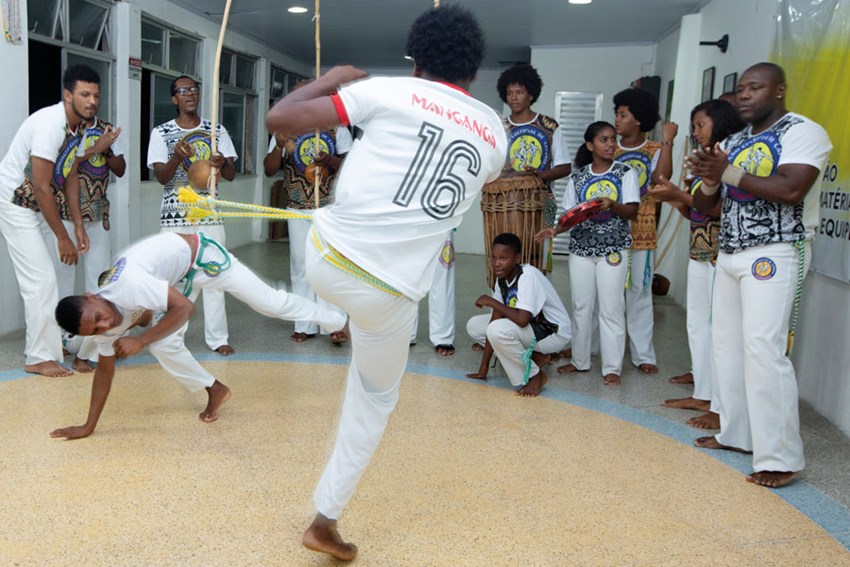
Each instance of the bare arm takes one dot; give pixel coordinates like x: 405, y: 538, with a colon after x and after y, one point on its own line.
x: 101, y: 385
x: 42, y: 171
x: 179, y: 311
x: 310, y: 106
x: 664, y: 168
x: 556, y: 172
x: 519, y: 316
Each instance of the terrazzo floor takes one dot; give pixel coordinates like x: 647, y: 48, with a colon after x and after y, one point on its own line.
x: 468, y: 474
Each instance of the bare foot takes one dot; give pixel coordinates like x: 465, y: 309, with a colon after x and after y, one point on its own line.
x: 541, y: 359
x: 225, y: 350
x: 772, y: 479
x: 534, y: 386
x: 444, y: 350
x: 81, y: 365
x: 647, y: 368
x: 219, y: 393
x: 712, y: 443
x: 477, y: 347
x: 688, y: 403
x: 569, y: 369
x: 301, y: 337
x: 322, y: 536
x: 686, y: 378
x: 611, y: 379
x: 708, y: 420
x: 48, y: 368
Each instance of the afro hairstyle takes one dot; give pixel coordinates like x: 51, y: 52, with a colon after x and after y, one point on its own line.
x: 520, y: 74
x: 642, y: 104
x: 447, y: 43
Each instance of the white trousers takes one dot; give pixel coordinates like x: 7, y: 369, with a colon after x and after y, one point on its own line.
x: 604, y: 276
x: 92, y: 263
x: 441, y: 299
x: 380, y: 325
x: 700, y: 283
x: 510, y: 341
x: 298, y: 230
x: 32, y: 246
x: 247, y: 287
x: 215, y: 315
x: 639, y: 314
x: 756, y: 383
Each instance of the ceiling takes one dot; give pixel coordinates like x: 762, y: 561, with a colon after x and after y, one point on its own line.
x: 372, y: 33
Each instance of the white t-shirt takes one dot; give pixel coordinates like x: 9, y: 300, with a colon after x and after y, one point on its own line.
x: 160, y: 149
x: 41, y: 135
x: 425, y: 151
x: 343, y: 143
x: 139, y: 280
x: 535, y: 294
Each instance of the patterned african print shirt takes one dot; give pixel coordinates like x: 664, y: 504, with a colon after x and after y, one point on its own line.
x: 704, y: 229
x: 160, y: 149
x: 643, y: 159
x: 748, y: 221
x: 603, y: 233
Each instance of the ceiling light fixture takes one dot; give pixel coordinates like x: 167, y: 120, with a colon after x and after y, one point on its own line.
x: 580, y: 1
x: 297, y: 10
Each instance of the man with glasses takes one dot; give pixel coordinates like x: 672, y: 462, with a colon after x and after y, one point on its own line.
x: 173, y: 147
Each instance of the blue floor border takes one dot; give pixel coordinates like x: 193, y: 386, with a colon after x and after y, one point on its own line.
x: 822, y: 509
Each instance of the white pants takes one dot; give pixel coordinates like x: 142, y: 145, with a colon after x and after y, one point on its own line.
x: 380, y: 332
x: 298, y: 230
x: 441, y: 299
x: 215, y: 315
x: 510, y: 341
x: 700, y: 283
x: 639, y: 314
x: 605, y: 276
x: 93, y: 263
x: 756, y: 383
x: 246, y: 286
x: 32, y: 246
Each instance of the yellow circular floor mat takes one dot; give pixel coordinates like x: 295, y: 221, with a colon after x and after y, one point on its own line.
x: 467, y: 474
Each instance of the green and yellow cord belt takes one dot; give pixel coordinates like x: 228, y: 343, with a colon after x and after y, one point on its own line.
x: 211, y: 268
x: 344, y: 264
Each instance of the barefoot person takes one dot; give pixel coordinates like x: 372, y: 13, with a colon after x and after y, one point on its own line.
x: 636, y: 114
x: 711, y: 122
x: 528, y: 320
x: 424, y: 150
x: 597, y: 250
x: 770, y: 174
x: 142, y: 280
x: 30, y: 206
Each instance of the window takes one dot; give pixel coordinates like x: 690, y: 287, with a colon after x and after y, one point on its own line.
x: 238, y: 106
x: 282, y: 83
x: 76, y: 22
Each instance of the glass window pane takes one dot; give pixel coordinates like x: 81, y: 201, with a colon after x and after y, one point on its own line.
x: 182, y: 54
x: 152, y: 44
x: 245, y: 73
x: 102, y: 68
x: 163, y: 109
x: 247, y: 158
x: 278, y: 83
x: 233, y: 118
x: 40, y: 16
x: 290, y: 82
x: 86, y: 22
x: 224, y: 74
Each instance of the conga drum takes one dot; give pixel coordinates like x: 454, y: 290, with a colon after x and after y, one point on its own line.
x: 516, y: 202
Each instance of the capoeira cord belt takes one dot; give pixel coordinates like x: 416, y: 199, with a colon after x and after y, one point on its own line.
x: 337, y: 260
x: 800, y: 246
x: 211, y: 268
x: 199, y: 207
x: 646, y: 271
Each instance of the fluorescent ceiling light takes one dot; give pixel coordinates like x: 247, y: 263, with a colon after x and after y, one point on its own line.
x: 297, y: 10
x: 580, y: 1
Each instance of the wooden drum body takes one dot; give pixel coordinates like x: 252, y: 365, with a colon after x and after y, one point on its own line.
x: 516, y: 203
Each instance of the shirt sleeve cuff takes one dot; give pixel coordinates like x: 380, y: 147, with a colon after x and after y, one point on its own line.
x: 339, y: 106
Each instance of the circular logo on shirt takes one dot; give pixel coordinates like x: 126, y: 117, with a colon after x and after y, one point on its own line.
x: 764, y: 269
x: 96, y: 165
x: 528, y: 146
x: 614, y: 259
x: 113, y: 273
x: 65, y: 159
x: 641, y: 163
x: 200, y: 141
x: 757, y: 156
x: 447, y: 254
x: 305, y: 148
x: 602, y: 187
x: 512, y: 298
